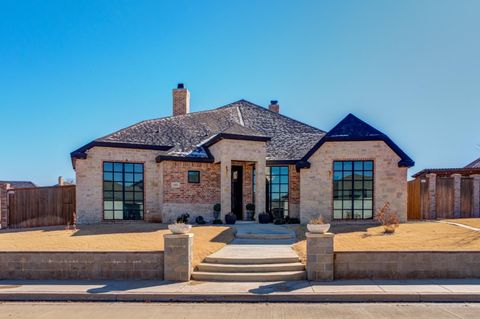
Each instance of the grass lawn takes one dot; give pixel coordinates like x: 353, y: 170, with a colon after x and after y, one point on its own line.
x: 473, y: 222
x: 111, y: 237
x: 409, y: 236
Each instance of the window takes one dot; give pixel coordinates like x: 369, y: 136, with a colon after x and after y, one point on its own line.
x: 193, y: 176
x: 277, y: 190
x: 122, y: 191
x: 353, y: 189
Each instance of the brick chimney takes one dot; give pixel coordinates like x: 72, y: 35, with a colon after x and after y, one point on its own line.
x: 181, y: 100
x: 274, y: 107
x: 61, y: 181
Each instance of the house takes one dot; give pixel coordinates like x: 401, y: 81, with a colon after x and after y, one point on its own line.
x: 237, y: 154
x: 18, y: 184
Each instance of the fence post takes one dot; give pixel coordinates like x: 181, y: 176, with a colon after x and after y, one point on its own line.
x: 457, y: 182
x: 4, y: 188
x: 476, y: 195
x: 432, y: 192
x: 320, y: 264
x: 177, y: 264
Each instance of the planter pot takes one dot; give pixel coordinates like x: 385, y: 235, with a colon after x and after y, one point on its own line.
x: 216, y: 215
x: 179, y: 228
x: 230, y: 219
x: 264, y: 219
x: 318, y: 228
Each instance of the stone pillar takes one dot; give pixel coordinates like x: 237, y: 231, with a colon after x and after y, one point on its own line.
x: 4, y: 188
x: 225, y: 187
x: 177, y: 259
x: 320, y: 264
x: 260, y: 195
x: 476, y: 195
x: 432, y: 190
x: 457, y: 182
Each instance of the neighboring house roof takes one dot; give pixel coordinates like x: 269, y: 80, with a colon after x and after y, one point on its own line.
x: 187, y: 137
x: 19, y: 184
x: 465, y: 171
x: 474, y: 164
x: 183, y: 137
x: 351, y: 128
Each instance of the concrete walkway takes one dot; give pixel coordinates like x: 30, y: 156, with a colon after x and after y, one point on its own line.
x: 461, y: 290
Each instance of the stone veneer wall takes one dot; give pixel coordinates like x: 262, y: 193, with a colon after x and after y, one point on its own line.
x: 89, y: 181
x: 316, y: 184
x: 82, y: 265
x: 407, y: 264
x: 4, y: 205
x: 180, y: 197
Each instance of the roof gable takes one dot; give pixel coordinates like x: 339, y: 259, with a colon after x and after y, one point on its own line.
x: 351, y: 128
x: 474, y: 164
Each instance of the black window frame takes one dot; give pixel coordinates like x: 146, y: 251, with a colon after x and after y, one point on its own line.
x: 348, y: 192
x: 192, y: 181
x: 129, y: 192
x: 270, y: 186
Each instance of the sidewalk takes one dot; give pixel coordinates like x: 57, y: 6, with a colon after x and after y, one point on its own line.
x: 451, y: 290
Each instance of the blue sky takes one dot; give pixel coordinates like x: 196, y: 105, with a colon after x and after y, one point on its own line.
x: 72, y: 71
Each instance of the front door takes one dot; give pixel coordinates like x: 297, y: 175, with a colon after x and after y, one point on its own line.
x: 237, y: 191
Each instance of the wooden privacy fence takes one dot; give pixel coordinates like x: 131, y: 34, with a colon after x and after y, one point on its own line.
x: 41, y: 206
x: 440, y: 197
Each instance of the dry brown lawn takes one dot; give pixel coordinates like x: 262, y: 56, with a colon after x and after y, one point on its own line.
x: 472, y: 222
x: 111, y: 237
x: 409, y: 236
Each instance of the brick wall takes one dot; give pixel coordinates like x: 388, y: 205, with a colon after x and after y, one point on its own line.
x: 316, y: 186
x: 82, y: 265
x: 407, y: 265
x: 294, y: 192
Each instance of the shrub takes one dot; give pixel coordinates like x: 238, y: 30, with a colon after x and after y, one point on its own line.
x: 317, y: 220
x: 388, y: 218
x: 250, y: 207
x: 217, y: 207
x: 183, y: 219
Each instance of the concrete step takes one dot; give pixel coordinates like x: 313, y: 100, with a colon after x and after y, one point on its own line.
x: 249, y: 268
x: 264, y: 236
x: 263, y: 276
x: 250, y: 260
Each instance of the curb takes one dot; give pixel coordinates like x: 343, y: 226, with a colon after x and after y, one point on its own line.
x: 186, y: 297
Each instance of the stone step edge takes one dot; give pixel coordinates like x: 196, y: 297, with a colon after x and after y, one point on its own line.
x: 250, y: 260
x: 264, y: 276
x: 250, y: 268
x: 264, y: 236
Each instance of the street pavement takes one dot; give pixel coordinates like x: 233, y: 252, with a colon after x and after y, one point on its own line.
x: 238, y: 310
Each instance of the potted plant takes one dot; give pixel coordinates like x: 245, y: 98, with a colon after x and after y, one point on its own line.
x: 216, y: 213
x: 230, y: 218
x: 179, y: 228
x: 317, y: 225
x: 388, y: 218
x: 250, y: 211
x: 264, y: 218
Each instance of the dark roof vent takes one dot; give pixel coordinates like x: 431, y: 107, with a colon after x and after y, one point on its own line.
x: 273, y: 102
x: 180, y: 86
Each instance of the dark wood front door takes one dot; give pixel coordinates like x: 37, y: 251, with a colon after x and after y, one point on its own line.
x: 237, y: 191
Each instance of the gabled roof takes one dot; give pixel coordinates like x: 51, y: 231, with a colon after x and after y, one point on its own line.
x: 474, y: 164
x: 19, y: 184
x: 183, y: 137
x: 351, y: 128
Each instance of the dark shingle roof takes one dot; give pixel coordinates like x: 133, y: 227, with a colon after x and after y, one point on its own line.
x: 474, y: 164
x: 19, y: 184
x: 184, y: 135
x: 351, y: 128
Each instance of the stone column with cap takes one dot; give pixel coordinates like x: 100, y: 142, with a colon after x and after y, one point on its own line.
x: 476, y: 195
x: 457, y: 184
x: 178, y: 252
x: 432, y: 193
x: 320, y: 261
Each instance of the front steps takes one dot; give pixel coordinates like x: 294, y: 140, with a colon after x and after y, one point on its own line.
x: 258, y: 253
x: 251, y: 269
